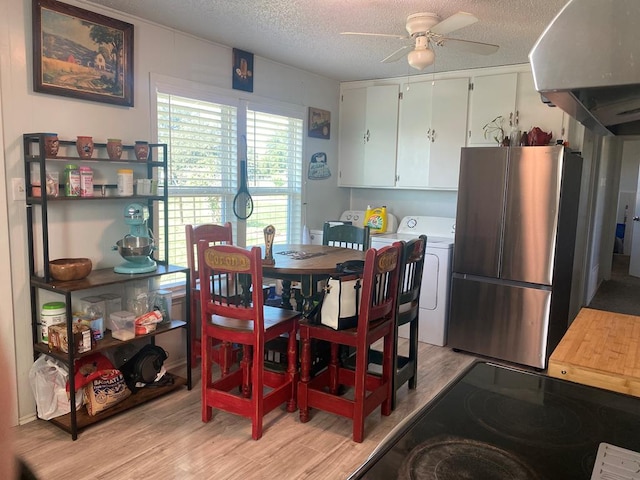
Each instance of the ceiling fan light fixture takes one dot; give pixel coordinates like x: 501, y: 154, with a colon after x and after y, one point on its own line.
x: 421, y: 58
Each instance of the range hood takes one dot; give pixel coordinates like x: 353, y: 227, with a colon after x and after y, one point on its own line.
x: 587, y: 62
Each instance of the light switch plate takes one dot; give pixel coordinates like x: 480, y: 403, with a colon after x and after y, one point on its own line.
x: 18, y: 189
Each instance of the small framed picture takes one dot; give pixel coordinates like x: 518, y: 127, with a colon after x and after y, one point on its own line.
x: 319, y: 123
x: 242, y: 70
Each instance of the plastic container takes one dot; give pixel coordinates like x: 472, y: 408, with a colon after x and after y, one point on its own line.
x: 123, y: 325
x: 52, y: 313
x: 376, y: 219
x: 71, y: 180
x: 125, y: 182
x: 112, y: 303
x: 86, y: 182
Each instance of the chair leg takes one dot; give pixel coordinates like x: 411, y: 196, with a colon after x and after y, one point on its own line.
x: 195, y: 338
x: 334, y: 366
x: 292, y: 369
x: 360, y: 392
x: 246, y: 371
x: 413, y: 354
x: 387, y: 371
x: 206, y: 379
x: 305, y: 377
x: 257, y: 393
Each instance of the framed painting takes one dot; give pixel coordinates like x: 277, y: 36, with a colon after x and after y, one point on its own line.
x: 242, y: 70
x: 319, y: 123
x: 81, y: 54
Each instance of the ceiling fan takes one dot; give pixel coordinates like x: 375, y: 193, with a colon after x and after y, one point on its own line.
x: 427, y: 30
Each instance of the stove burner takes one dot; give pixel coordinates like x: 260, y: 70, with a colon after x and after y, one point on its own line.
x: 445, y: 457
x: 547, y: 421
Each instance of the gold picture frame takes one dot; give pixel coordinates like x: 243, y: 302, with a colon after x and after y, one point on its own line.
x: 81, y: 54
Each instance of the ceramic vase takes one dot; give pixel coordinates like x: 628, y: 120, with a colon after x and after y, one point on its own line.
x: 51, y: 144
x: 84, y: 145
x: 114, y: 148
x: 141, y: 150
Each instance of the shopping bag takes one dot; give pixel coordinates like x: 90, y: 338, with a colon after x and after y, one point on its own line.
x: 341, y: 302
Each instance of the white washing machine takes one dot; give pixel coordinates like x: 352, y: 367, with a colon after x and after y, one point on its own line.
x: 436, y: 276
x: 356, y: 217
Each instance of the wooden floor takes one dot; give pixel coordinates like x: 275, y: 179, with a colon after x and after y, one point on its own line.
x: 166, y: 439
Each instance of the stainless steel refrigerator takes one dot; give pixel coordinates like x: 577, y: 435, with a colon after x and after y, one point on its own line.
x: 513, y: 254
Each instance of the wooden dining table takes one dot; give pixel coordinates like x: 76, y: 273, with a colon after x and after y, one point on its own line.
x: 307, y: 264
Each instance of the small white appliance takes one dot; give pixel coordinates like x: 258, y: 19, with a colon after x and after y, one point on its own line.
x: 356, y: 217
x: 436, y: 276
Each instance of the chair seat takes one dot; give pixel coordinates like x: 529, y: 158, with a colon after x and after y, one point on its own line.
x: 273, y: 317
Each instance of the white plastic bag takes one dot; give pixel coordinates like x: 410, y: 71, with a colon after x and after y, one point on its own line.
x: 48, y: 378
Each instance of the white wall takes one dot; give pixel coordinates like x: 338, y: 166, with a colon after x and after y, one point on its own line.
x: 156, y: 50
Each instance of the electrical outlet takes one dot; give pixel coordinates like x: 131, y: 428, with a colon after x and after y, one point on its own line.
x: 19, y: 191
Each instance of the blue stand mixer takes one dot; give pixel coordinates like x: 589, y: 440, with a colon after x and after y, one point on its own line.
x: 137, y: 246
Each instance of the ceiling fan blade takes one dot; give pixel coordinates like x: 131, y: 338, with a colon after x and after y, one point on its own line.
x: 454, y: 22
x: 398, y: 54
x: 468, y: 46
x: 390, y: 35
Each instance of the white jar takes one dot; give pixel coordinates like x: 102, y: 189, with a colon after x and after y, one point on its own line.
x: 51, y: 314
x: 125, y: 182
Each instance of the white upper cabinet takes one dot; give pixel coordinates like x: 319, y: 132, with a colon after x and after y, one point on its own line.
x: 368, y: 136
x: 513, y: 97
x: 431, y: 131
x: 492, y: 96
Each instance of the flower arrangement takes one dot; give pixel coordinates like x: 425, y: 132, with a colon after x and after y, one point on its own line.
x: 494, y: 129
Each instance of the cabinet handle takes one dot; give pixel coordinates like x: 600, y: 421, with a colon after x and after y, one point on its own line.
x: 517, y: 120
x: 433, y: 136
x: 511, y: 119
x: 366, y: 136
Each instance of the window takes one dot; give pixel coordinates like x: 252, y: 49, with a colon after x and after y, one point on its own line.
x: 202, y: 138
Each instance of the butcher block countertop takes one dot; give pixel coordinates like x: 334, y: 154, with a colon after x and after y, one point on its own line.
x: 601, y: 349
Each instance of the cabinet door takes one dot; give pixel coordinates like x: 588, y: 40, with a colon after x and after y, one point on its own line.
x: 381, y: 136
x: 414, y: 136
x: 352, y: 136
x: 448, y: 130
x: 492, y: 96
x: 532, y: 112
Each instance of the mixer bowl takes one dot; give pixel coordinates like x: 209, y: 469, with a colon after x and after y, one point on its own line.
x: 135, y: 249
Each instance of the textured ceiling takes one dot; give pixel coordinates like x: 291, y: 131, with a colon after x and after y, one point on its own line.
x: 306, y: 33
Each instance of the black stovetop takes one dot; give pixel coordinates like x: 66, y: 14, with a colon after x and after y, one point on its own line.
x: 498, y: 422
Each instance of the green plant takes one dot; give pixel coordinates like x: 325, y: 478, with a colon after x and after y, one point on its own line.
x: 494, y: 129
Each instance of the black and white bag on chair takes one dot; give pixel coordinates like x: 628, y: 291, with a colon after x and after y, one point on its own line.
x: 341, y: 302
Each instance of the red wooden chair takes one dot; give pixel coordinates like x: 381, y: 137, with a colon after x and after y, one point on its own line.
x: 230, y: 318
x: 375, y: 322
x: 214, y: 234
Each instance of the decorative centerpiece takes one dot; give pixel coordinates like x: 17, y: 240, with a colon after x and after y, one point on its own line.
x: 114, y: 148
x: 269, y: 234
x: 51, y: 144
x: 141, y: 149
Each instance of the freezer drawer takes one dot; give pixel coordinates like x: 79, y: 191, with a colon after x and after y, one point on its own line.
x: 500, y: 320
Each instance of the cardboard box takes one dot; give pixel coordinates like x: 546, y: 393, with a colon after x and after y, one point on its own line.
x: 81, y: 337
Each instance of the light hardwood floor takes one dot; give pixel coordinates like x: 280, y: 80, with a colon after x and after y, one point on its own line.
x: 166, y: 439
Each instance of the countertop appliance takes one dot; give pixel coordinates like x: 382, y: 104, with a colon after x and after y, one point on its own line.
x: 498, y: 422
x: 356, y: 217
x: 586, y: 63
x: 436, y: 275
x: 514, y: 247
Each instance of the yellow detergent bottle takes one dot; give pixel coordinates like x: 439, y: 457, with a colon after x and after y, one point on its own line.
x: 376, y: 219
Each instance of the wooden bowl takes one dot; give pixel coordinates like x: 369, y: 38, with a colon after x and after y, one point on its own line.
x: 66, y: 269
